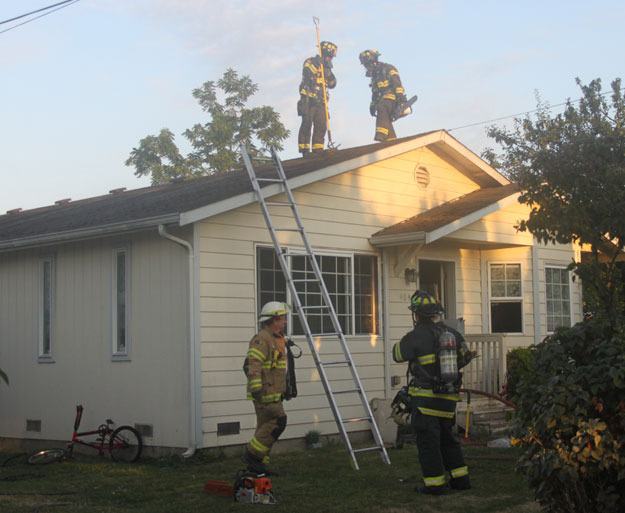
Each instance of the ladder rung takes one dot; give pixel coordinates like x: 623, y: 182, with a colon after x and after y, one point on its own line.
x: 350, y: 391
x: 323, y: 334
x: 269, y: 180
x: 287, y: 229
x: 302, y: 280
x: 356, y: 419
x: 311, y: 307
x: 278, y: 204
x: 339, y: 362
x: 368, y: 449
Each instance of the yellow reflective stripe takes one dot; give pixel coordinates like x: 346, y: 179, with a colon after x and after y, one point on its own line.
x: 281, y: 364
x: 427, y: 359
x: 303, y: 146
x: 382, y: 130
x: 383, y: 83
x: 400, y: 90
x: 393, y: 72
x: 306, y: 92
x: 427, y: 392
x: 258, y: 445
x: 255, y: 384
x: 317, y: 146
x: 459, y: 472
x: 436, y: 413
x: 267, y: 365
x: 266, y: 460
x: 271, y: 398
x: 389, y: 96
x: 397, y: 353
x: 434, y: 481
x: 255, y: 353
x: 311, y: 67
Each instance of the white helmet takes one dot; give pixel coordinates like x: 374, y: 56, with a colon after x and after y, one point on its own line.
x: 272, y: 309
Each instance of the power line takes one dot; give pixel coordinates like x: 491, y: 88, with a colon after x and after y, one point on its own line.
x: 520, y: 114
x: 50, y: 9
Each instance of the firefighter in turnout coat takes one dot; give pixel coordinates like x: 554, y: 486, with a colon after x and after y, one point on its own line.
x: 311, y: 106
x: 433, y: 404
x: 387, y: 93
x: 265, y: 368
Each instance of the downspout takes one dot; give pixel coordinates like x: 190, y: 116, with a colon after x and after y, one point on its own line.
x: 536, y: 292
x: 192, y: 356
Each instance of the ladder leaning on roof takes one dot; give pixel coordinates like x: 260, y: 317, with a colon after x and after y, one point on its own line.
x: 326, y: 305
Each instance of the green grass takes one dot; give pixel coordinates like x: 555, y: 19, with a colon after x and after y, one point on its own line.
x: 310, y: 481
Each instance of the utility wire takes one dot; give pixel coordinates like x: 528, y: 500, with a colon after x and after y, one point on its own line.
x: 521, y: 113
x: 50, y: 9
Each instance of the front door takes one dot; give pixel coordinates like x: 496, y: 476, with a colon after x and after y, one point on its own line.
x: 438, y: 278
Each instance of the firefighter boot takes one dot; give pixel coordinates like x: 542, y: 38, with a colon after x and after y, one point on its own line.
x: 432, y: 490
x: 253, y: 463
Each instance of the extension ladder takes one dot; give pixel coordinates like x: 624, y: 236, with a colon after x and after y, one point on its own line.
x: 327, y: 307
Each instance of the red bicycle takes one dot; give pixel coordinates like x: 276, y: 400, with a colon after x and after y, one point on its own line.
x: 123, y: 443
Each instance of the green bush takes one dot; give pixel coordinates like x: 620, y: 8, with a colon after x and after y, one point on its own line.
x: 518, y: 365
x: 571, y: 420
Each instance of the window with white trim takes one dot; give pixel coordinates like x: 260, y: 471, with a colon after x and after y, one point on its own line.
x: 506, y: 298
x: 558, y: 297
x: 351, y: 281
x: 121, y: 301
x: 46, y: 307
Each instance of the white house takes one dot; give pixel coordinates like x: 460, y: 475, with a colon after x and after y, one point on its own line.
x: 140, y: 304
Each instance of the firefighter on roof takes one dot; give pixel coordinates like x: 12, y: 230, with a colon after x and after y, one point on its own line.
x: 387, y: 93
x: 435, y: 353
x: 311, y: 106
x: 265, y: 368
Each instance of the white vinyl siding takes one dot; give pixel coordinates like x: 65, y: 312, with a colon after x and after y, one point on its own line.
x: 558, y: 297
x: 506, y: 298
x: 120, y: 303
x: 46, y: 309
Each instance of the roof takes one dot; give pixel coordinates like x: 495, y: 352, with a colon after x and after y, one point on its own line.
x: 188, y: 201
x: 459, y: 212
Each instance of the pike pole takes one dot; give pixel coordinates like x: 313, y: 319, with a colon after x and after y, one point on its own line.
x: 323, y: 86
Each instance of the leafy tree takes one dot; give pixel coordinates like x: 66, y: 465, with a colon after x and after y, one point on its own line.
x: 571, y: 169
x: 214, y: 144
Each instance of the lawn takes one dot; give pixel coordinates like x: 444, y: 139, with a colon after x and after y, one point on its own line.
x: 316, y: 481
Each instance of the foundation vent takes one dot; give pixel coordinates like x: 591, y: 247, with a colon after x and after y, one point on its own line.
x: 33, y: 425
x: 145, y: 430
x: 228, y: 428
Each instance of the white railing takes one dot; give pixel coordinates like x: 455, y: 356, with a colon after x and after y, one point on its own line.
x: 486, y: 372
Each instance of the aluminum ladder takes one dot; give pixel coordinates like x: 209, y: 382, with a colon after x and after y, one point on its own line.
x: 326, y: 305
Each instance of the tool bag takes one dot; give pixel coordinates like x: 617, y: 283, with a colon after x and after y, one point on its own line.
x: 291, y: 379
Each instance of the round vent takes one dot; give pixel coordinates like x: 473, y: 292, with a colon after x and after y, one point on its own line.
x: 422, y: 176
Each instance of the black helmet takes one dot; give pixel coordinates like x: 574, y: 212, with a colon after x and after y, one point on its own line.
x: 368, y: 57
x: 425, y: 304
x: 328, y: 49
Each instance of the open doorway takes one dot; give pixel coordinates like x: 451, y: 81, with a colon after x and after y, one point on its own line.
x: 438, y: 278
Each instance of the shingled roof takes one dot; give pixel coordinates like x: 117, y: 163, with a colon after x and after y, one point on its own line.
x: 417, y: 227
x: 173, y: 203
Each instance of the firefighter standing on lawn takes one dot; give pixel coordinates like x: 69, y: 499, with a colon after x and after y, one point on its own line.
x: 311, y: 106
x: 265, y: 368
x: 386, y: 93
x: 433, y: 403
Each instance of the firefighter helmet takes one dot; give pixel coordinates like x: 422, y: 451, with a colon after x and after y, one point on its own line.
x: 272, y: 309
x: 425, y: 304
x: 368, y: 57
x: 328, y: 49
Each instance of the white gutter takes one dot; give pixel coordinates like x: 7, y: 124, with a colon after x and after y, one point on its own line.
x: 192, y: 354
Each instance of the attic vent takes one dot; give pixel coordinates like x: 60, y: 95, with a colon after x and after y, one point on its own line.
x: 117, y: 191
x: 14, y: 211
x: 63, y: 201
x: 422, y: 176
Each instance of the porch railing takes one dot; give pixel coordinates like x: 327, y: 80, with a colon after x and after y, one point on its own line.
x: 487, y: 372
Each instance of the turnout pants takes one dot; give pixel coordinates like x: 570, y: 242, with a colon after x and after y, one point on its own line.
x: 439, y: 451
x: 270, y: 424
x: 313, y: 117
x: 384, y: 130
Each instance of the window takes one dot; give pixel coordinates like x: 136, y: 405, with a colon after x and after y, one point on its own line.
x: 506, y: 300
x: 558, y: 297
x: 351, y: 281
x: 120, y: 302
x: 46, y: 308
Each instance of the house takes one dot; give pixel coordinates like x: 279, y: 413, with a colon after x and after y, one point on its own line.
x: 140, y: 304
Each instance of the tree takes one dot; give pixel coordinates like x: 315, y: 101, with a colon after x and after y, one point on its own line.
x: 215, y: 143
x: 571, y: 169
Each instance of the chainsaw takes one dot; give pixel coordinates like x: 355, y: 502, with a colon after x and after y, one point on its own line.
x: 248, y: 488
x: 404, y: 109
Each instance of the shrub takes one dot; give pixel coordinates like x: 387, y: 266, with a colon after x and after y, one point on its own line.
x: 571, y: 420
x: 518, y: 365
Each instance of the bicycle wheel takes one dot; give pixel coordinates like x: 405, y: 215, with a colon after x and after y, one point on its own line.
x: 125, y: 444
x: 46, y: 456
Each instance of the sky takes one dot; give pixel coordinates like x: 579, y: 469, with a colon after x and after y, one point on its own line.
x: 82, y: 86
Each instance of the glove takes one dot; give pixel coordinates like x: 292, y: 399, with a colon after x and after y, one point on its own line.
x: 373, y: 109
x: 401, y: 98
x: 302, y: 106
x: 257, y: 396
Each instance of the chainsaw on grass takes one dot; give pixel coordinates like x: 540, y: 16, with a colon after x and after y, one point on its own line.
x: 248, y: 488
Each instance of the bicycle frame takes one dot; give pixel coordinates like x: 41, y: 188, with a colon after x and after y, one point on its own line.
x: 103, y: 431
